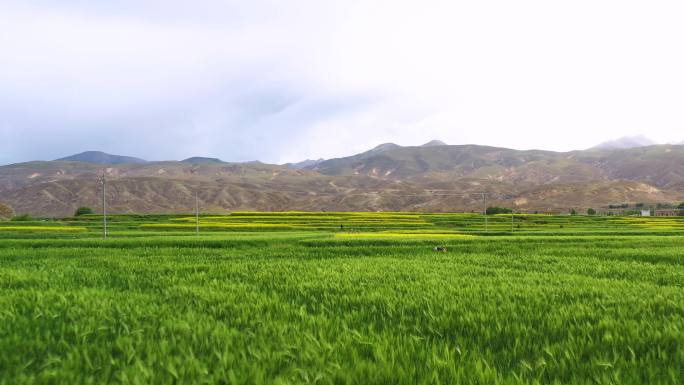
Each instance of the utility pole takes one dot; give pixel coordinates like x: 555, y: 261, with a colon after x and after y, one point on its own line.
x: 484, y: 198
x: 196, y: 214
x: 104, y: 205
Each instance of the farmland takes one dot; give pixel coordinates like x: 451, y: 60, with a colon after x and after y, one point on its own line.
x: 343, y: 298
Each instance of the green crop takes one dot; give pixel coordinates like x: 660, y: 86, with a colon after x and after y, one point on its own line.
x: 292, y: 298
x: 42, y: 228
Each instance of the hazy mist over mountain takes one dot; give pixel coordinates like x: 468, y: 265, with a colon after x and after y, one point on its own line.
x: 626, y: 142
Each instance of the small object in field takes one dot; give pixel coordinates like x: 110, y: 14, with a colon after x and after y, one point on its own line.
x: 341, y: 227
x: 440, y: 249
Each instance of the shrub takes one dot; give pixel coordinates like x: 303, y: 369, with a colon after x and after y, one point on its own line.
x: 591, y: 211
x: 498, y: 210
x: 22, y: 218
x: 573, y: 212
x: 83, y: 210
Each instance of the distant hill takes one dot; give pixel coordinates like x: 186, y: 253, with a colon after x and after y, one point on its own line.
x: 434, y: 143
x: 400, y: 162
x: 304, y: 163
x: 312, y: 163
x: 661, y: 165
x: 201, y: 160
x: 388, y: 177
x: 625, y: 142
x: 99, y: 157
x: 380, y: 148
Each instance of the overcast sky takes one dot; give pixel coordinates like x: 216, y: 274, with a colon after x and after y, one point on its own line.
x: 287, y: 80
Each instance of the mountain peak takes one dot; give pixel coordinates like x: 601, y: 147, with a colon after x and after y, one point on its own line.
x: 99, y: 157
x: 384, y: 147
x: 201, y: 160
x: 625, y: 142
x: 434, y: 143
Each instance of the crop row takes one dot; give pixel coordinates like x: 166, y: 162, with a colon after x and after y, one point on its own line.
x: 304, y: 307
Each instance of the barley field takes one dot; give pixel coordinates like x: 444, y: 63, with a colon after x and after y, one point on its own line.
x: 342, y: 298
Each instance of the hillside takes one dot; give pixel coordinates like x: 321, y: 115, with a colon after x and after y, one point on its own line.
x: 660, y: 165
x: 434, y: 177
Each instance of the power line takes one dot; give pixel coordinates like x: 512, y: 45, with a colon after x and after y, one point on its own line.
x: 512, y: 216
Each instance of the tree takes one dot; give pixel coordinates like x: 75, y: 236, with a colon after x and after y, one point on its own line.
x: 6, y: 212
x: 591, y: 211
x: 492, y: 210
x: 83, y: 210
x: 681, y: 205
x: 22, y: 218
x: 573, y: 212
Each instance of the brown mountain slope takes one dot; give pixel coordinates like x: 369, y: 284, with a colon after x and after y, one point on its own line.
x: 156, y: 195
x: 661, y: 165
x: 31, y: 173
x: 432, y: 178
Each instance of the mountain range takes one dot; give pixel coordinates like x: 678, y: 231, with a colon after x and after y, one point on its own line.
x: 389, y: 177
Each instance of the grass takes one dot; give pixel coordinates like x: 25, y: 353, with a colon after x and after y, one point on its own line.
x: 599, y: 300
x: 405, y: 235
x: 42, y: 228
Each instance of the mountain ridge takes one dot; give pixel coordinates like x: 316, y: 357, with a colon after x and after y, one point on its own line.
x: 99, y: 157
x: 388, y: 177
x: 305, y: 163
x: 201, y: 159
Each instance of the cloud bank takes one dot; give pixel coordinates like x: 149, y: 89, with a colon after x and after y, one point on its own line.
x: 284, y: 81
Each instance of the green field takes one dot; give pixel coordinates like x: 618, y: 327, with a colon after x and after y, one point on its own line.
x: 294, y: 298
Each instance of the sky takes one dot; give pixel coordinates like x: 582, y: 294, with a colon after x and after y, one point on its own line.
x: 283, y: 81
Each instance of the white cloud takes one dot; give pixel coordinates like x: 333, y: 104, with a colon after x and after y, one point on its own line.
x: 283, y: 81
